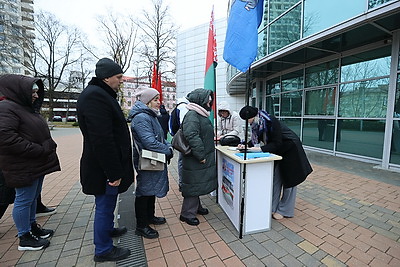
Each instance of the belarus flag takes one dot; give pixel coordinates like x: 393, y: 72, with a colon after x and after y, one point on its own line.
x: 211, y: 64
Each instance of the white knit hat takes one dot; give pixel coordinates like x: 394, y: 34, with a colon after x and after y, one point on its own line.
x: 146, y: 94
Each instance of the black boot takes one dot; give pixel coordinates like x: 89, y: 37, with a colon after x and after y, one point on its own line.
x: 115, y: 254
x: 146, y: 232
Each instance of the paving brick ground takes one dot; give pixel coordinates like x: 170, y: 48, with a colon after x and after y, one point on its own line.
x: 347, y: 214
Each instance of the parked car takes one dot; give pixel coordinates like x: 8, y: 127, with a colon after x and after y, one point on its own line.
x: 71, y: 118
x: 57, y: 118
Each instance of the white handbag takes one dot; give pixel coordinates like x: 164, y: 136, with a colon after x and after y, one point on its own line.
x: 150, y: 160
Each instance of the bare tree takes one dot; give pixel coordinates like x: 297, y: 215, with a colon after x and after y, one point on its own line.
x: 120, y: 35
x: 159, y: 34
x: 53, y: 51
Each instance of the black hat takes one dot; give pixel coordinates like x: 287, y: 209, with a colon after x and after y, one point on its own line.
x: 248, y: 112
x: 106, y: 68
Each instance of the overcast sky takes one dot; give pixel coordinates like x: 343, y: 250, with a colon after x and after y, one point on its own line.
x: 83, y: 13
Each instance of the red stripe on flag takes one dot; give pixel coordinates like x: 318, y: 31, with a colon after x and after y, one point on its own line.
x: 212, y: 44
x: 156, y: 80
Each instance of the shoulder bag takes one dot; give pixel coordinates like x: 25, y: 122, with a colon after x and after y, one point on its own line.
x: 150, y: 160
x: 179, y: 143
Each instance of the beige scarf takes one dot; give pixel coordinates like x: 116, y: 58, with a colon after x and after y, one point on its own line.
x: 199, y: 109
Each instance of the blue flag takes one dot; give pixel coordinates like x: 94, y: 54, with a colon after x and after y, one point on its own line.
x: 240, y: 48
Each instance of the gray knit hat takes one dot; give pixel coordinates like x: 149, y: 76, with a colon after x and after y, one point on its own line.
x: 106, y: 68
x: 146, y: 94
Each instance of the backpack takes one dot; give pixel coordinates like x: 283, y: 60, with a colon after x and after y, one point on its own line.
x: 174, y: 120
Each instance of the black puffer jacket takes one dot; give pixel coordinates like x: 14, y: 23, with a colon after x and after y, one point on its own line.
x: 27, y: 150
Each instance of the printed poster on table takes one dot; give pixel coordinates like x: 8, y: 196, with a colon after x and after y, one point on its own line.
x: 228, y: 180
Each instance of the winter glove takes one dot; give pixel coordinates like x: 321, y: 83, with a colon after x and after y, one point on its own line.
x: 170, y: 156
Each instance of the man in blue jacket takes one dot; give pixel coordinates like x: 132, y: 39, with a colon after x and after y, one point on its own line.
x: 106, y: 165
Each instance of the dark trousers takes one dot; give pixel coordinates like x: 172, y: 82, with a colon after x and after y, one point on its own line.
x: 145, y: 207
x: 3, y: 209
x: 190, y: 205
x: 104, y: 222
x: 40, y: 206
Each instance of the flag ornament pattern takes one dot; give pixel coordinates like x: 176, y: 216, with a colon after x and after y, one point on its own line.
x: 211, y: 64
x: 156, y: 81
x: 241, y: 39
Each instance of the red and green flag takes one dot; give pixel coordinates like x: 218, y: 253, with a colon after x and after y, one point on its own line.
x: 156, y: 81
x: 211, y: 64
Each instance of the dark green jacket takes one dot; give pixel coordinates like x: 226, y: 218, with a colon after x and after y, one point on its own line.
x: 198, y: 178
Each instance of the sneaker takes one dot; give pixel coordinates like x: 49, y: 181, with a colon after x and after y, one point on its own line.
x: 38, y: 231
x: 45, y: 212
x: 30, y: 242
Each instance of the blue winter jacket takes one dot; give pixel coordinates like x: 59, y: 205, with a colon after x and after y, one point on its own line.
x: 148, y: 134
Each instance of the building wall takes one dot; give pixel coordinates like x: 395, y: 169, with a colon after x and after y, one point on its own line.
x: 16, y: 24
x: 191, y: 60
x: 130, y: 89
x: 346, y: 104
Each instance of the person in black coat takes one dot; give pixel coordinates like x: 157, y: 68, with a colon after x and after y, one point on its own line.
x: 268, y: 134
x: 163, y: 119
x: 106, y: 167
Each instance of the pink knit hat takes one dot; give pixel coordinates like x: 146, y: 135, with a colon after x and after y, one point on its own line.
x: 146, y: 94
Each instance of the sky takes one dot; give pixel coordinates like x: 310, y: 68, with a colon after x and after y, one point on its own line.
x: 83, y: 13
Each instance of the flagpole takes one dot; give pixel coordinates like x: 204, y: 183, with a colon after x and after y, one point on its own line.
x: 240, y: 50
x: 248, y: 87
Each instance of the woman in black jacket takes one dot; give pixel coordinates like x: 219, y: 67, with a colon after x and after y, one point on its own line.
x: 27, y: 153
x: 268, y: 134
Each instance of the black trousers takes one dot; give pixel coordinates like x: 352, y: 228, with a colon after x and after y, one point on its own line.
x: 145, y: 207
x: 40, y: 205
x: 3, y: 209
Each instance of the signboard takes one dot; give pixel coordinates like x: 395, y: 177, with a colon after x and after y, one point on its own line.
x: 229, y: 188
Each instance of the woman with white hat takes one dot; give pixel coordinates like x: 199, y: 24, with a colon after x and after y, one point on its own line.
x: 148, y: 134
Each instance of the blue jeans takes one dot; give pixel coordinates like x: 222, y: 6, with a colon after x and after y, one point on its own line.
x: 104, y: 220
x: 24, y: 212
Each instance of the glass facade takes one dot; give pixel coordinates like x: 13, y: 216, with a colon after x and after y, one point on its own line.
x: 395, y: 144
x: 337, y: 92
x: 361, y: 137
x: 333, y: 12
x: 338, y: 105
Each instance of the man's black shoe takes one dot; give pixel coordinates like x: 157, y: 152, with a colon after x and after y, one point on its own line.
x: 115, y: 254
x: 31, y: 242
x: 191, y: 221
x: 38, y: 231
x: 117, y: 232
x: 45, y: 211
x: 147, y: 232
x: 158, y: 220
x: 202, y: 211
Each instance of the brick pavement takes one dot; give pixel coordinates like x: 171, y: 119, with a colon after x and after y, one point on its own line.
x: 341, y: 219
